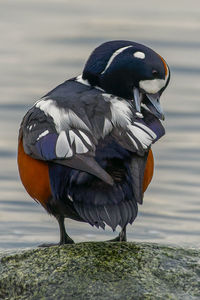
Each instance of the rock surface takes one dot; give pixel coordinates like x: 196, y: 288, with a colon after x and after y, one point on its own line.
x: 101, y: 271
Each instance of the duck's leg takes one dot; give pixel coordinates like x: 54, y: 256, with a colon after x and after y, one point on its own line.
x: 64, y: 237
x: 121, y: 237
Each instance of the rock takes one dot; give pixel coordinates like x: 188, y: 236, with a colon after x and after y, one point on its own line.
x: 101, y: 271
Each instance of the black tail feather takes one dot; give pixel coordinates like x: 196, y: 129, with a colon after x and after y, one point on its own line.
x: 124, y: 215
x: 113, y: 215
x: 134, y: 209
x: 95, y: 201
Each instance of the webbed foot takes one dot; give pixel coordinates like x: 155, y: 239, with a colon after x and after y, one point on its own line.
x: 121, y: 237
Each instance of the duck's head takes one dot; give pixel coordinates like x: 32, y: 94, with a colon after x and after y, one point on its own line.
x: 129, y: 70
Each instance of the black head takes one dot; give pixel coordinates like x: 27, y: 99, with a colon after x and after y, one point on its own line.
x: 129, y: 70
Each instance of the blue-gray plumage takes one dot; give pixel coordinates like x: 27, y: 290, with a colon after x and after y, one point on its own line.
x: 94, y: 136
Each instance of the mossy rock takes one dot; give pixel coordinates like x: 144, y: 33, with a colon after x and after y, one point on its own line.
x: 101, y: 271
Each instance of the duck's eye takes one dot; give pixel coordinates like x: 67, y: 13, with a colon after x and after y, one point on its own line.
x: 155, y: 73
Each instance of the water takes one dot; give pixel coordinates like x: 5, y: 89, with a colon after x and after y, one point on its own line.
x: 45, y: 42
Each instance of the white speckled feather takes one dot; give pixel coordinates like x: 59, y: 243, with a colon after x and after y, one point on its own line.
x: 107, y: 128
x: 120, y: 110
x: 80, y: 147
x: 42, y: 134
x: 85, y: 137
x: 144, y: 138
x: 133, y: 141
x: 63, y: 148
x: 147, y: 129
x: 63, y: 118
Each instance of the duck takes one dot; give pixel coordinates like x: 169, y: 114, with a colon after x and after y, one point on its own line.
x: 84, y: 149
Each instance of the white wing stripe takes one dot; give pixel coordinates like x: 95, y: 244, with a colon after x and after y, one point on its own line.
x: 107, y: 128
x: 42, y: 134
x: 132, y: 140
x: 141, y: 135
x: 147, y: 129
x: 75, y: 121
x: 80, y: 147
x: 63, y: 118
x: 120, y: 110
x: 63, y: 148
x: 86, y: 138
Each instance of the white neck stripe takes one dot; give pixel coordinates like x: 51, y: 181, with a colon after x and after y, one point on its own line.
x: 81, y: 80
x: 117, y: 52
x: 86, y: 82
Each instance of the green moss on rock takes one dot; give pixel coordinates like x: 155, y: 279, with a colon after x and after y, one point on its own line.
x: 101, y: 271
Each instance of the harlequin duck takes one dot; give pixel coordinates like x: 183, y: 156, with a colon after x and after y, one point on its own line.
x: 85, y: 147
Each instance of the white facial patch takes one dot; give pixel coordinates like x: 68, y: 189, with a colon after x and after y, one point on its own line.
x: 117, y: 52
x: 152, y: 86
x: 63, y: 118
x: 139, y: 54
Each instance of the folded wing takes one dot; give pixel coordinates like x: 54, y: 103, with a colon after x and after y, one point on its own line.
x: 67, y: 129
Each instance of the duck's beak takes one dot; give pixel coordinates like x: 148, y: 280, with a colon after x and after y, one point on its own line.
x: 152, y: 101
x: 154, y: 105
x: 138, y: 99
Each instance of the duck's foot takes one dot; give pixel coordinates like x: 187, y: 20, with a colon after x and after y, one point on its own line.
x: 121, y: 237
x: 48, y: 245
x: 67, y: 241
x: 64, y: 237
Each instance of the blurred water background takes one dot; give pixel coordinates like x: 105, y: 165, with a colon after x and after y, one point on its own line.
x: 44, y: 42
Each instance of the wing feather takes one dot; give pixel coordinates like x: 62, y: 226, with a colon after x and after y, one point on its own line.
x: 66, y: 126
x: 137, y: 170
